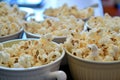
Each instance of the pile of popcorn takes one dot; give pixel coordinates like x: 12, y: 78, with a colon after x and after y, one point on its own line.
x: 61, y: 26
x: 106, y: 21
x: 11, y: 19
x: 30, y: 53
x: 67, y: 11
x: 101, y: 43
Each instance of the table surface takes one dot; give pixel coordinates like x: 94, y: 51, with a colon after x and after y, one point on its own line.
x: 81, y: 4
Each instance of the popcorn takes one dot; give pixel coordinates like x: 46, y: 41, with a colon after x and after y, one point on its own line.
x: 89, y: 57
x: 4, y: 57
x: 29, y: 53
x: 53, y: 55
x: 101, y: 43
x: 108, y: 58
x: 104, y: 22
x: 17, y: 65
x: 11, y: 19
x: 94, y: 50
x: 25, y: 60
x: 67, y: 11
x: 61, y: 26
x: 105, y: 40
x: 1, y: 46
x: 48, y: 36
x: 77, y: 52
x: 6, y: 9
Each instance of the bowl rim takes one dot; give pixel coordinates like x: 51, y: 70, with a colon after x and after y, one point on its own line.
x: 33, y: 68
x: 21, y: 29
x: 39, y: 35
x: 90, y: 61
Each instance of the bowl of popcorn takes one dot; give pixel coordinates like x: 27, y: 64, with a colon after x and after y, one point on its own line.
x: 31, y: 59
x: 59, y: 27
x: 66, y: 10
x: 11, y: 22
x: 94, y: 54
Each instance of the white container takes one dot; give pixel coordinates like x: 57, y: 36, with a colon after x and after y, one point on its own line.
x: 49, y: 71
x: 90, y: 70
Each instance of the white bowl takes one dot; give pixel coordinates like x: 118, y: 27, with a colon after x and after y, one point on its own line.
x: 90, y: 70
x: 16, y: 35
x: 44, y: 72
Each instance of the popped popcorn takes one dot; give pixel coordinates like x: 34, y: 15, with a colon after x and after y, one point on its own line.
x: 4, y: 57
x: 62, y: 26
x: 25, y: 59
x: 67, y: 11
x: 100, y: 44
x: 11, y: 19
x: 30, y: 53
x: 105, y: 22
